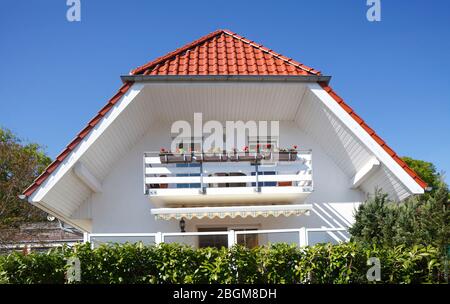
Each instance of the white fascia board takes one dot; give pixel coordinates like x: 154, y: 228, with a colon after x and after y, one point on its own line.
x: 365, y: 172
x: 44, y: 206
x: 365, y: 138
x: 87, y: 177
x: 85, y: 144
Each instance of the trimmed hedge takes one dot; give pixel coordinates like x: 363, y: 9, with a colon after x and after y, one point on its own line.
x: 173, y: 263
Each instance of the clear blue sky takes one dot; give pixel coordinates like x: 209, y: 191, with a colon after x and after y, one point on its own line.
x: 55, y: 75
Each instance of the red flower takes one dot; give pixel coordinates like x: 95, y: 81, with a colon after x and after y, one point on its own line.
x: 162, y: 150
x: 295, y: 147
x: 268, y: 146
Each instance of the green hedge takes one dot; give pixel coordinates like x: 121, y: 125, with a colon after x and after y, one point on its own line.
x: 172, y: 263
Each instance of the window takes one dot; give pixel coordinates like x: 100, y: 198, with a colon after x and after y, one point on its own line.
x: 264, y: 184
x: 196, y: 185
x: 247, y: 240
x: 216, y: 241
x: 221, y: 185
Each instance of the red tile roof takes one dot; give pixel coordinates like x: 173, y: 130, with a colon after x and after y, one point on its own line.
x: 224, y: 53
x: 219, y: 53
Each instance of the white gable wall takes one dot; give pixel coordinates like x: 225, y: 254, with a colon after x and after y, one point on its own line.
x: 141, y: 120
x: 123, y: 207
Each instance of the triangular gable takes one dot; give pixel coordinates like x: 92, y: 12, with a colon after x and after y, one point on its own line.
x: 219, y: 53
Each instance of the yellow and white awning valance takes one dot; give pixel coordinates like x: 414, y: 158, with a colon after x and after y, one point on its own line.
x: 232, y: 211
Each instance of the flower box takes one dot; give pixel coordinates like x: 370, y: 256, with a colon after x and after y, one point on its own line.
x: 214, y: 157
x: 285, y: 155
x: 167, y: 158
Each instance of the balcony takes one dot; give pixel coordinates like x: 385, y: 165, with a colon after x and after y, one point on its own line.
x: 228, y: 178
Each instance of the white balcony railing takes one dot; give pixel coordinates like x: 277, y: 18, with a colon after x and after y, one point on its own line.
x: 219, y: 177
x: 300, y: 236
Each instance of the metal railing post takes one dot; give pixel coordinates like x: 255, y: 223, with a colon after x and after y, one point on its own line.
x: 303, y: 237
x: 258, y: 188
x: 202, y: 187
x: 231, y: 238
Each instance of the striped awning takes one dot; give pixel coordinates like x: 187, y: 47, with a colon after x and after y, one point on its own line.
x: 231, y: 211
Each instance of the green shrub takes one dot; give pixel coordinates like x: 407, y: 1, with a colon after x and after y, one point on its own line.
x: 174, y: 263
x: 38, y: 268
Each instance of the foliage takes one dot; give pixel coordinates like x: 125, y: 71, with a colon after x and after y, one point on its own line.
x: 173, y: 263
x: 384, y: 222
x: 420, y: 220
x: 20, y: 164
x: 426, y: 171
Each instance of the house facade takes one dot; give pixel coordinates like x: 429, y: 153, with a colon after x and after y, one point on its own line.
x: 222, y: 141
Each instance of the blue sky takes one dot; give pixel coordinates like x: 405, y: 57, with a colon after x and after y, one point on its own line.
x: 55, y: 75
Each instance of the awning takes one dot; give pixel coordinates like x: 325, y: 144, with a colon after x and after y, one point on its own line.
x: 232, y: 211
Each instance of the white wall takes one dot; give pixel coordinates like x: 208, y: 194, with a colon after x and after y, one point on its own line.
x: 123, y: 207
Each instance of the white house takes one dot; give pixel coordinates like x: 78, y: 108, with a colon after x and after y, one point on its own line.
x: 308, y: 159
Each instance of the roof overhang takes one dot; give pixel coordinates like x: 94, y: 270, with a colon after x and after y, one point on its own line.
x: 216, y: 78
x: 232, y: 211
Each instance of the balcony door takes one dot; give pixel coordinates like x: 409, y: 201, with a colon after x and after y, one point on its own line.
x: 218, y: 241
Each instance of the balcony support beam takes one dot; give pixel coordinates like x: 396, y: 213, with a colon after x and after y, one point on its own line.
x: 87, y: 177
x: 365, y: 172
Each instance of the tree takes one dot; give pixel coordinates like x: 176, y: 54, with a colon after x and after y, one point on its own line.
x: 422, y: 219
x: 426, y: 171
x: 20, y: 164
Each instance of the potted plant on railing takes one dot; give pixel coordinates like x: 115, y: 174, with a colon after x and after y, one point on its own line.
x: 233, y: 155
x: 247, y: 156
x: 164, y: 155
x: 180, y: 156
x: 215, y: 155
x: 267, y: 153
x: 293, y: 153
x: 287, y: 154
